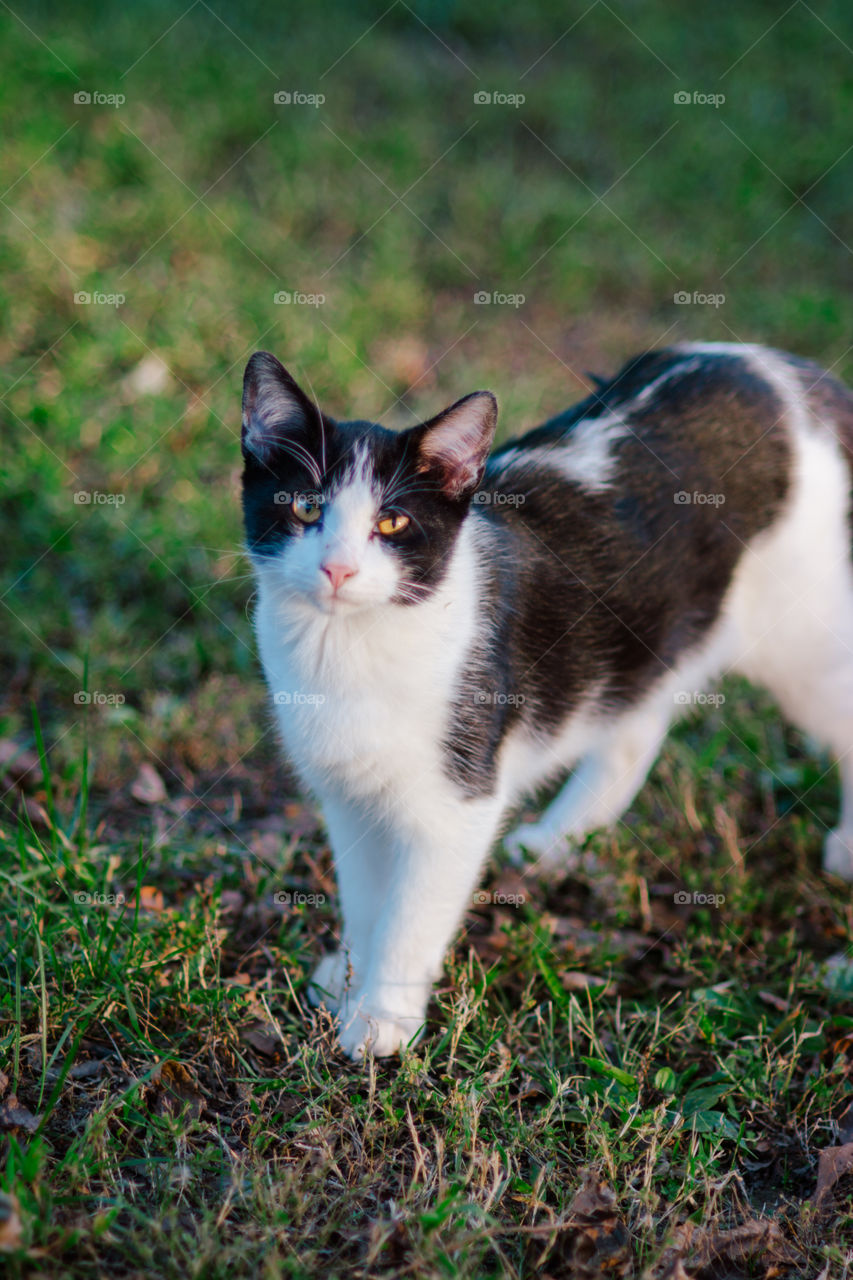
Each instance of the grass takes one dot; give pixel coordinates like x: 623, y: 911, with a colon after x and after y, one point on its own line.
x: 181, y: 1111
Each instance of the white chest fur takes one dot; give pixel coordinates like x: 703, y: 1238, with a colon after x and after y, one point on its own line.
x: 362, y: 697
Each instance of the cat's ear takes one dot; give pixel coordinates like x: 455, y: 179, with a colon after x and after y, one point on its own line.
x: 456, y: 443
x: 274, y: 407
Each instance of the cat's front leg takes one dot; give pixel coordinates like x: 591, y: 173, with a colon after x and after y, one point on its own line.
x: 359, y: 842
x: 438, y: 854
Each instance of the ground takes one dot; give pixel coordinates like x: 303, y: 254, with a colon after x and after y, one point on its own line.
x: 629, y: 1071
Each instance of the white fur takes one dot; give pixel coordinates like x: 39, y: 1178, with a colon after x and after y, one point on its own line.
x: 408, y: 846
x: 585, y: 456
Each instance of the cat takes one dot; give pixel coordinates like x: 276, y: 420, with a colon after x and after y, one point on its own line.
x: 444, y: 629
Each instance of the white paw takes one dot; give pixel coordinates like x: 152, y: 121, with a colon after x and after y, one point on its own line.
x: 838, y: 854
x: 364, y: 1032
x: 330, y: 981
x: 533, y: 842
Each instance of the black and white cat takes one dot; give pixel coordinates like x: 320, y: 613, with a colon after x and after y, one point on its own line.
x: 444, y: 630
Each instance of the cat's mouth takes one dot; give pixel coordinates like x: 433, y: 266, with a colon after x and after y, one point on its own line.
x: 333, y: 602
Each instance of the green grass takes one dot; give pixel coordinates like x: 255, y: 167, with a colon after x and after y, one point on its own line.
x: 703, y: 1063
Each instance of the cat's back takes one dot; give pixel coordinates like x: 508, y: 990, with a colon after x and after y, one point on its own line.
x: 694, y: 425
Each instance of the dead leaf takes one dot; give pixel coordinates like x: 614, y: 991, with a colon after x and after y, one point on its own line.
x: 231, y: 900
x: 175, y: 1091
x: 674, y: 1271
x: 759, y: 1240
x: 494, y: 1077
x: 262, y: 1037
x: 574, y: 980
x: 594, y: 1201
x: 833, y: 1164
x: 510, y: 886
x: 150, y: 899
x: 4, y: 1083
x: 148, y: 788
x: 151, y: 377
x: 10, y: 1224
x: 19, y: 767
x: 14, y: 1116
x: 405, y: 358
x: 775, y: 1002
x: 597, y: 1241
x: 89, y: 1069
x: 36, y: 812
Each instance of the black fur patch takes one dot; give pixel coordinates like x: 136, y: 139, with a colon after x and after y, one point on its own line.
x: 606, y: 590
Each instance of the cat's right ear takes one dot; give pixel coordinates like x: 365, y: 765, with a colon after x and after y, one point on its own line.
x: 274, y: 407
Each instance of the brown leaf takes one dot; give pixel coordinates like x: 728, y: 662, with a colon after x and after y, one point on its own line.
x: 597, y: 1242
x: 594, y: 1201
x: 175, y: 1091
x: 10, y: 1224
x: 149, y: 378
x: 14, y: 1116
x: 4, y: 1083
x: 36, y: 812
x: 19, y: 767
x: 262, y: 1037
x: 87, y: 1070
x: 148, y: 788
x: 150, y: 899
x: 833, y: 1164
x: 510, y: 884
x: 574, y: 980
x: 758, y: 1240
x: 674, y: 1271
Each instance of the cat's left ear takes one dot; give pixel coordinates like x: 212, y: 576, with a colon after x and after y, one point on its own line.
x: 456, y: 443
x: 274, y: 407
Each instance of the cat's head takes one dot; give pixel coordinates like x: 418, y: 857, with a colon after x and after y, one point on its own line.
x: 351, y: 515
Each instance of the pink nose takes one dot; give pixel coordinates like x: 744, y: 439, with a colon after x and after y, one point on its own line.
x: 338, y: 574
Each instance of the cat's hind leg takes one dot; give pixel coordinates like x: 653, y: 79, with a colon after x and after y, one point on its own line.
x: 815, y: 691
x: 600, y: 788
x: 794, y: 607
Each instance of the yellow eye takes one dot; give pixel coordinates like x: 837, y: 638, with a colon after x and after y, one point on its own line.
x: 306, y: 509
x: 390, y: 524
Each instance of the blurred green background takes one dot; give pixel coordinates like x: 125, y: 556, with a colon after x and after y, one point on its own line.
x: 397, y: 199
